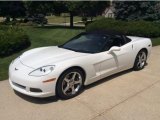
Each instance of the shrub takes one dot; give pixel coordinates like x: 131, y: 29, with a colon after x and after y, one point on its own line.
x: 12, y: 39
x: 135, y: 28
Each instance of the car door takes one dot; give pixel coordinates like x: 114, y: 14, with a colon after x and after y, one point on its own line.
x: 115, y: 61
x: 108, y: 64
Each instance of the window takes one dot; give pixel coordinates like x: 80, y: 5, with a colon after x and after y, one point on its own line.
x: 127, y: 40
x: 94, y: 42
x: 89, y: 43
x: 116, y: 40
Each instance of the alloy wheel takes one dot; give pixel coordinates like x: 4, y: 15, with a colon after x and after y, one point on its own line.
x: 71, y: 84
x: 141, y: 60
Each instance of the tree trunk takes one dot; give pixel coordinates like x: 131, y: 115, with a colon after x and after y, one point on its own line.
x: 7, y: 19
x: 71, y: 20
x: 91, y: 18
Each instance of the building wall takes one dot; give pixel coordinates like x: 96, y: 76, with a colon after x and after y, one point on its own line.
x: 109, y: 14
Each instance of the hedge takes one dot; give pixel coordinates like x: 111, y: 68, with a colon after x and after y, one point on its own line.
x: 134, y: 28
x: 12, y: 39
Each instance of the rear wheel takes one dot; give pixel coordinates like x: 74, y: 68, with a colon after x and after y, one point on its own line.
x: 140, y: 60
x: 70, y: 83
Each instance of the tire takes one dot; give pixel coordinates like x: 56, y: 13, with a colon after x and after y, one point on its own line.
x: 70, y: 83
x: 140, y: 60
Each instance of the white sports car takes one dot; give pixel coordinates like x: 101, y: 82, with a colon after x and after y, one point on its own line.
x: 64, y: 70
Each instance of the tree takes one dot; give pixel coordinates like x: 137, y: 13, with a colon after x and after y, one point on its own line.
x: 137, y: 10
x: 72, y: 9
x: 38, y: 7
x: 82, y: 8
x: 10, y: 9
x: 32, y: 8
x: 59, y: 7
x: 85, y: 8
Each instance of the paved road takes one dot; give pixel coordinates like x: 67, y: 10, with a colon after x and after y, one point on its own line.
x: 126, y: 96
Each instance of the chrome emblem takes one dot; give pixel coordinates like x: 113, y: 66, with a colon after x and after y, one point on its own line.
x: 16, y: 69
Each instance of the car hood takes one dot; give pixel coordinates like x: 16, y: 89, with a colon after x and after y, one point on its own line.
x: 39, y: 57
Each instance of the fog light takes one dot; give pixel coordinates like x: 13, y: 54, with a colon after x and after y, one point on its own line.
x: 35, y: 90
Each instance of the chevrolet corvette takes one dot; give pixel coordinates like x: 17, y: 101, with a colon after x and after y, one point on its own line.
x: 88, y: 57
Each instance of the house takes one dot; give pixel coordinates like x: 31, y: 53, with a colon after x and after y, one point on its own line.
x: 109, y: 11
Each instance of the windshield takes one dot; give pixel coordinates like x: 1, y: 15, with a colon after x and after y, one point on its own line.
x: 88, y: 43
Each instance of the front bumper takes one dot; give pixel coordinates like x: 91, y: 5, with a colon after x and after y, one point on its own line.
x: 30, y: 85
x: 26, y: 90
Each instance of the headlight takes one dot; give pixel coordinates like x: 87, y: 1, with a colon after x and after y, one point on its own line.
x: 42, y: 71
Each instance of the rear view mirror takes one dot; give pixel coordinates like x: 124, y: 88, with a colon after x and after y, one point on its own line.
x: 114, y: 48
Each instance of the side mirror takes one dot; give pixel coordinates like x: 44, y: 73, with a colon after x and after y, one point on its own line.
x: 114, y: 48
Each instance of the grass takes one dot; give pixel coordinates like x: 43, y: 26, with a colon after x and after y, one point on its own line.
x: 156, y: 41
x: 39, y: 37
x: 60, y: 19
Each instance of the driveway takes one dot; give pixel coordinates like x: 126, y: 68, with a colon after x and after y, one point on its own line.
x: 128, y: 95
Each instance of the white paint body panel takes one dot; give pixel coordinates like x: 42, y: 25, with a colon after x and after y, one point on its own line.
x: 96, y: 66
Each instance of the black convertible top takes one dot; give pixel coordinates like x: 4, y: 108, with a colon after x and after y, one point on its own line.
x: 119, y: 39
x: 111, y: 33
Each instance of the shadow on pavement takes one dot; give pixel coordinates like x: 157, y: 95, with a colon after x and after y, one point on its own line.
x: 37, y: 100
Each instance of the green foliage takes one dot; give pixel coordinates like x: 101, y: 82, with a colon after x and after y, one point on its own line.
x: 12, y: 39
x: 12, y: 9
x: 135, y: 28
x: 85, y: 9
x: 137, y: 10
x: 156, y: 41
x: 38, y: 7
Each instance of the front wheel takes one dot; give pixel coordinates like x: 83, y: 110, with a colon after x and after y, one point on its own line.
x: 140, y: 60
x: 70, y: 83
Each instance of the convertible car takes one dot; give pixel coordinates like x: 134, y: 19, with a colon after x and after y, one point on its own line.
x: 64, y: 70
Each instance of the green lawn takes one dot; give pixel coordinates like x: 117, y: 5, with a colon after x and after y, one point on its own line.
x: 61, y: 19
x: 156, y: 41
x: 39, y: 37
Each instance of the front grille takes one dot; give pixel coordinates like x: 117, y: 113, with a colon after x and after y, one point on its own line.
x: 36, y: 90
x: 18, y: 85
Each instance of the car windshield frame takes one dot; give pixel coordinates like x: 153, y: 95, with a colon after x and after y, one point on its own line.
x: 84, y: 51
